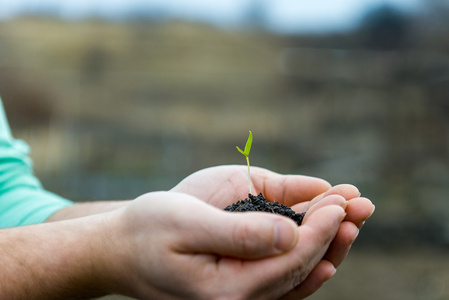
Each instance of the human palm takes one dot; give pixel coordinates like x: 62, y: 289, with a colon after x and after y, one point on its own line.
x: 223, y: 185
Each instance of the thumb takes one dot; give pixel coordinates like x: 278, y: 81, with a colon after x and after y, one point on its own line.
x: 245, y: 235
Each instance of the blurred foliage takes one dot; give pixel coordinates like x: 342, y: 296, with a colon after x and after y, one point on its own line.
x: 385, y: 28
x: 113, y: 110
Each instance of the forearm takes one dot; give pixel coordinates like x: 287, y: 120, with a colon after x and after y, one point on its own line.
x: 84, y: 209
x: 64, y: 260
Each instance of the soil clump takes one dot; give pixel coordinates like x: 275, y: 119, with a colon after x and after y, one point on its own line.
x: 259, y: 203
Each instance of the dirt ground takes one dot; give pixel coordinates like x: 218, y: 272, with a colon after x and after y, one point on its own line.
x: 391, y: 275
x: 406, y: 274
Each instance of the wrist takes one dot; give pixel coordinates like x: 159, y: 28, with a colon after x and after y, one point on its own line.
x: 87, y: 256
x: 112, y: 259
x: 83, y: 209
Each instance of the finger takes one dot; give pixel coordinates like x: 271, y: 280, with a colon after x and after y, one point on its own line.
x: 348, y: 191
x: 340, y: 246
x: 292, y: 268
x: 287, y: 189
x: 323, y: 271
x: 329, y: 200
x: 359, y: 210
x: 317, y: 232
x: 248, y: 235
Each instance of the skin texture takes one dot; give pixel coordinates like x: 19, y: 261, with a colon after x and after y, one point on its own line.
x: 180, y: 244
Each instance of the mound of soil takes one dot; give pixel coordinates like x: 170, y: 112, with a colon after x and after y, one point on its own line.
x: 259, y: 203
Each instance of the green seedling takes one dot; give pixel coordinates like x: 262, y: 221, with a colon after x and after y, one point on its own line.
x: 246, y: 153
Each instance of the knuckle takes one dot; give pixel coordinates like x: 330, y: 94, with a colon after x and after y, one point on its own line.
x: 246, y: 238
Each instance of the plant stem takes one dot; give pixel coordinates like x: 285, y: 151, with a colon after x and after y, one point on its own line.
x: 249, y: 176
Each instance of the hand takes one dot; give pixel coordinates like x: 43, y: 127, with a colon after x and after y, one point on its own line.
x: 175, y: 246
x: 358, y: 210
x: 221, y: 186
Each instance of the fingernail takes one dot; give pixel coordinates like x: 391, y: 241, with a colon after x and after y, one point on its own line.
x: 360, y: 225
x: 332, y: 274
x: 372, y: 212
x: 285, y: 235
x: 355, y: 236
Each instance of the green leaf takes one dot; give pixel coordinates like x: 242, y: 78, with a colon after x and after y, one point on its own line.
x: 247, y: 146
x: 246, y: 153
x: 240, y: 150
x: 248, y: 143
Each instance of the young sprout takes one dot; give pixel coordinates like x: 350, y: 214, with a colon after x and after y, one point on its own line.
x: 246, y: 153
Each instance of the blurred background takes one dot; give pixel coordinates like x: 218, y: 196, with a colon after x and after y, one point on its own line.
x: 117, y: 98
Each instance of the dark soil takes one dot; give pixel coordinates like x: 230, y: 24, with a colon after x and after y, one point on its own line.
x: 259, y: 203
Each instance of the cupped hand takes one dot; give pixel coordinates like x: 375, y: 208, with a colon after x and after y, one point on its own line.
x: 175, y: 246
x: 358, y: 210
x: 223, y: 185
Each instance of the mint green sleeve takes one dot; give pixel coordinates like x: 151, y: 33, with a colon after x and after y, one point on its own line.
x: 23, y: 200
